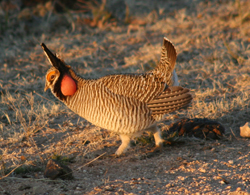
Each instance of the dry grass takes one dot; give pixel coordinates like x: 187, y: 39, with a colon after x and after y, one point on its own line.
x: 212, y: 41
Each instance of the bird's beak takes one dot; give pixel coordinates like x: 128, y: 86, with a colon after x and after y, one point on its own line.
x: 46, y: 87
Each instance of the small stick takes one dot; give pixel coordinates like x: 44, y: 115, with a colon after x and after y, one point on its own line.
x: 42, y: 96
x: 91, y: 161
x: 10, y: 172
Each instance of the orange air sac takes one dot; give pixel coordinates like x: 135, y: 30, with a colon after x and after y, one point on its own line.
x: 68, y: 85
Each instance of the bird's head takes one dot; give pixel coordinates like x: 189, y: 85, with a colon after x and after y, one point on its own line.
x: 58, y: 77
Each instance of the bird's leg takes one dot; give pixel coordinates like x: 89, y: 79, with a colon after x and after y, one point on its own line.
x: 157, y: 135
x: 124, y: 146
x: 158, y: 140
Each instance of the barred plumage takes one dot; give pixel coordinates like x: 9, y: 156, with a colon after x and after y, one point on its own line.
x: 126, y: 103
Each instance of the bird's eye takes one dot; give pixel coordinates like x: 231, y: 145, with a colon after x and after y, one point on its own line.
x: 52, y: 77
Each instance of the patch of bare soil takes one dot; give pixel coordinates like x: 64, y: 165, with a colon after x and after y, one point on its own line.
x: 212, y: 41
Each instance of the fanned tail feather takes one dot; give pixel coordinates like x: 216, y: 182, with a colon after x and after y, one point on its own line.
x: 174, y: 98
x: 171, y: 52
x: 165, y: 68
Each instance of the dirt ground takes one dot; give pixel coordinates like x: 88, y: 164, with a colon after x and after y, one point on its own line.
x: 212, y: 40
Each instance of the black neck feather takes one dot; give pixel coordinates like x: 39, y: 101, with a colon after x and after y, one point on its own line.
x: 57, y: 88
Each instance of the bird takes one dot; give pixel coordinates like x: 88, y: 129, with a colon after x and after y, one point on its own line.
x: 127, y: 104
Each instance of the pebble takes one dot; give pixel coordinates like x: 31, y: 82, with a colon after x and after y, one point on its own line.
x: 245, y: 130
x: 228, y: 187
x: 169, y: 185
x: 231, y: 162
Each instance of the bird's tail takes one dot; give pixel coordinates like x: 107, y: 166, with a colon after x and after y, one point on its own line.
x: 165, y: 68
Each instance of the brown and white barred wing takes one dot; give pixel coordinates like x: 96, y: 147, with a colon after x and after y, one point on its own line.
x: 143, y: 87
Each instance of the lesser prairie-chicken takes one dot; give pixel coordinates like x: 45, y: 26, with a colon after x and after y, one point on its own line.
x: 126, y: 104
